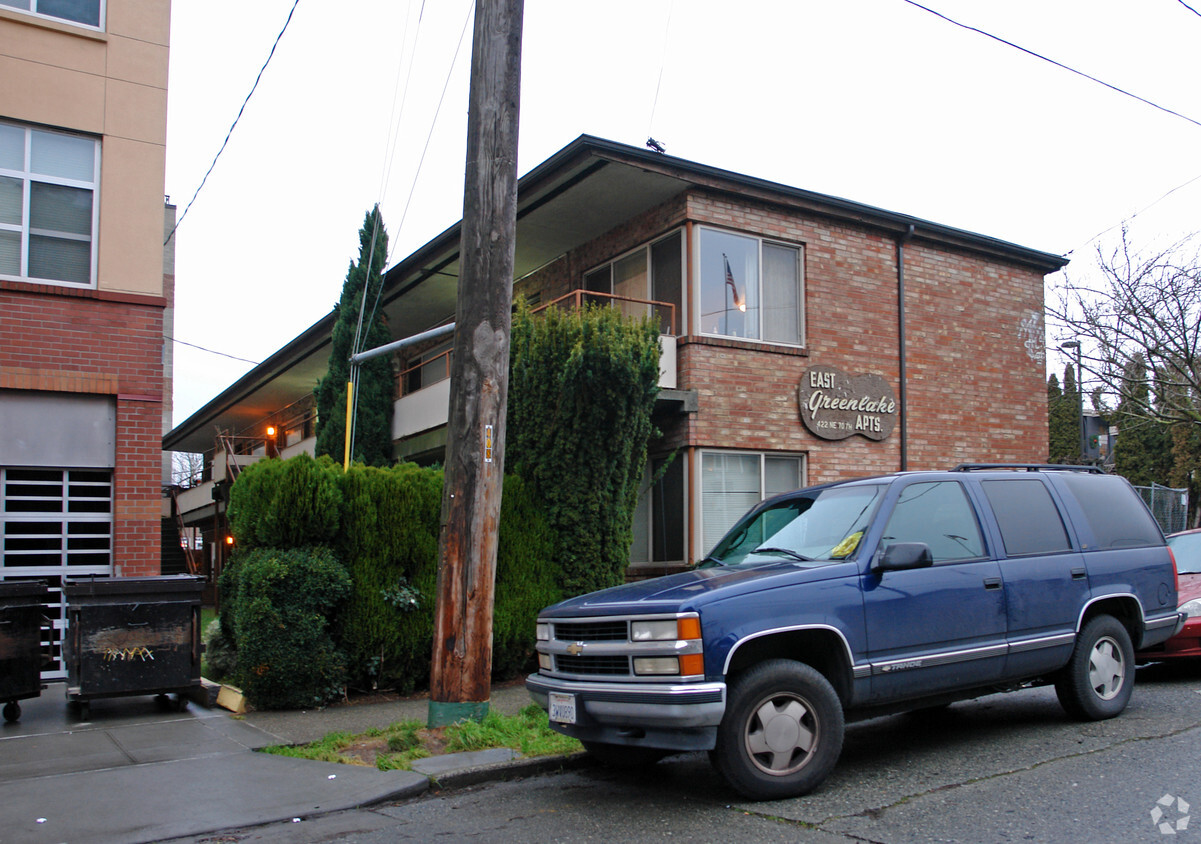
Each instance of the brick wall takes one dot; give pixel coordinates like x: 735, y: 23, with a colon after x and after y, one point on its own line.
x: 976, y: 386
x: 88, y: 342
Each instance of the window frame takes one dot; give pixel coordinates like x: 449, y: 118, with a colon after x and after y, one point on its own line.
x: 648, y: 252
x: 696, y: 321
x: 24, y: 229
x: 101, y: 14
x: 704, y: 545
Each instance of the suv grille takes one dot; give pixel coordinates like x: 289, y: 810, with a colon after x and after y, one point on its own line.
x: 595, y: 665
x: 596, y: 631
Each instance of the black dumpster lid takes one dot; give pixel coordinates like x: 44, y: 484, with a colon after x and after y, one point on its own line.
x: 23, y: 589
x: 164, y: 584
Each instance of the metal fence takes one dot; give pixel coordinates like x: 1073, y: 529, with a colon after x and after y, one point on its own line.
x: 1168, y: 505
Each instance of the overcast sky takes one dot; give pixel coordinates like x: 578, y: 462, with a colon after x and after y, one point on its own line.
x: 876, y: 101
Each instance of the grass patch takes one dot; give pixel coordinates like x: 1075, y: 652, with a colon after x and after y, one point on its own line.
x: 399, y: 745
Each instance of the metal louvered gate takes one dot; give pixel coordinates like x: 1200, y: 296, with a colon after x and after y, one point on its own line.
x: 55, y: 523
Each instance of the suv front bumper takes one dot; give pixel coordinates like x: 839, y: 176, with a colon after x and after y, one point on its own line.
x: 679, y: 716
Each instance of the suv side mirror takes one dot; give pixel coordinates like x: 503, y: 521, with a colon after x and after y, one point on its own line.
x: 904, y: 555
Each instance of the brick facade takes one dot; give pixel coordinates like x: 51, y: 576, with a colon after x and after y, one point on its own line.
x: 974, y: 344
x: 60, y: 340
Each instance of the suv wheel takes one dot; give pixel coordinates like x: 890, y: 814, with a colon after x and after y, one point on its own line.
x: 782, y: 731
x: 1098, y: 681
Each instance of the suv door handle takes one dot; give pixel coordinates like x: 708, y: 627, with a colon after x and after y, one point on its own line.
x: 1079, y: 573
x: 992, y: 583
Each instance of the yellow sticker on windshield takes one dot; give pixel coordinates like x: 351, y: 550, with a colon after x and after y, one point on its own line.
x: 847, y: 546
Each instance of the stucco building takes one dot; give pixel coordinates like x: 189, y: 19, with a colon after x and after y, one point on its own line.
x: 85, y: 287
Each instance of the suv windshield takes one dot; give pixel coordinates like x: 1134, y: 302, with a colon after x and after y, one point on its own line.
x: 822, y: 525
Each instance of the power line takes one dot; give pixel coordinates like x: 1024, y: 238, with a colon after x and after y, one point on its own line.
x: 211, y: 351
x: 429, y: 137
x: 235, y: 123
x: 1114, y: 88
x: 1190, y: 8
x: 1142, y: 210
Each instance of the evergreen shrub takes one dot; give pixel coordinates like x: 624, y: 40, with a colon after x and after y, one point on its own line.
x: 290, y: 503
x: 389, y: 542
x: 582, y: 388
x: 287, y: 658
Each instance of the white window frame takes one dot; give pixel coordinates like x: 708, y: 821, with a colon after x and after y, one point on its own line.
x: 697, y: 322
x: 27, y: 178
x: 704, y: 545
x: 31, y: 7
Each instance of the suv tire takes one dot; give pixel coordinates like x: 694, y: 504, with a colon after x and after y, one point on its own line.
x: 782, y: 731
x: 1096, y: 684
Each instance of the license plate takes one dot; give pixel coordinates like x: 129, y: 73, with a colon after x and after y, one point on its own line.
x: 562, y: 708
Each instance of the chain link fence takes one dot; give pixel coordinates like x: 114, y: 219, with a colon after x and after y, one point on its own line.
x: 1168, y: 505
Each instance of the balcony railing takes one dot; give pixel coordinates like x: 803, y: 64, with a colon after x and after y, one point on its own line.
x: 666, y: 311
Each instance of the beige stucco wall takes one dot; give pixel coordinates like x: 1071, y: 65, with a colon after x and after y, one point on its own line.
x: 112, y: 84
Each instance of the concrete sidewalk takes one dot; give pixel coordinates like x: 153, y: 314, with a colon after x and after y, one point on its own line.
x: 134, y: 773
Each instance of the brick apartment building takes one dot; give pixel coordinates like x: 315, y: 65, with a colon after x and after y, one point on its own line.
x: 805, y: 338
x: 85, y: 287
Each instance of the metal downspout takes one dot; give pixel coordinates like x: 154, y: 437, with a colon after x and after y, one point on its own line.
x: 902, y: 374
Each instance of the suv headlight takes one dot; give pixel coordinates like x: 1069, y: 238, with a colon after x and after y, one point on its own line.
x: 1192, y: 609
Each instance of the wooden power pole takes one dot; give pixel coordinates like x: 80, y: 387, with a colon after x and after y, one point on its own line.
x: 460, y: 682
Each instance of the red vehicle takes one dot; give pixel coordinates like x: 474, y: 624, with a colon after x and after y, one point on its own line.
x: 1186, y: 546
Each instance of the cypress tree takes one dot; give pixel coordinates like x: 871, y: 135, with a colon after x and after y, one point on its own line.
x: 1142, y: 453
x: 375, y: 390
x: 1063, y: 423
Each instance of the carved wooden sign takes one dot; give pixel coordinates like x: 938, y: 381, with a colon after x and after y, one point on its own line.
x: 835, y: 405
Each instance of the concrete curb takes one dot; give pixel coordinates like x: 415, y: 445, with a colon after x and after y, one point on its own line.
x: 456, y: 776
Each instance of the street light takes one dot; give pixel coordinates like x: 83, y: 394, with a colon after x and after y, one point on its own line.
x: 1075, y: 344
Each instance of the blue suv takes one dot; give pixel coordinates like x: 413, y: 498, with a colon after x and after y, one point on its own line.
x: 861, y: 598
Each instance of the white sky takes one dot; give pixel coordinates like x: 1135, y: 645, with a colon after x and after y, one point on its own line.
x: 871, y: 100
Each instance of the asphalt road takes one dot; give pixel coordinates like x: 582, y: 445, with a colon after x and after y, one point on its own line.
x: 1001, y: 768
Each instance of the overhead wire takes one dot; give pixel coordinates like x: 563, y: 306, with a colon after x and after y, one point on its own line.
x: 1058, y: 64
x: 650, y: 128
x: 360, y: 334
x: 253, y: 87
x: 433, y: 123
x: 211, y: 351
x: 1091, y: 78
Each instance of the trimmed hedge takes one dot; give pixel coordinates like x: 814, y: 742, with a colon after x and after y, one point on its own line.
x: 386, y: 540
x: 389, y: 541
x: 287, y: 658
x: 286, y: 503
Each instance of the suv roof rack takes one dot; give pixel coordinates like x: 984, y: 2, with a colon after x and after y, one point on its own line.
x: 1029, y: 467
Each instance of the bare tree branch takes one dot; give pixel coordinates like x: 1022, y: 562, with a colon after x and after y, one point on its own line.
x: 1144, y: 306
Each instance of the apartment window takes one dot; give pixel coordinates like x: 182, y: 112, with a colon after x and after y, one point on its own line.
x: 750, y: 288
x: 734, y: 482
x: 48, y: 217
x: 428, y: 368
x: 86, y: 12
x: 652, y: 272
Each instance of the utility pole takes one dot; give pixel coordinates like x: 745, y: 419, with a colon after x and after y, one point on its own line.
x: 460, y: 681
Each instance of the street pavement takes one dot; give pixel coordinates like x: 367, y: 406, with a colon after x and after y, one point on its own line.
x: 132, y: 772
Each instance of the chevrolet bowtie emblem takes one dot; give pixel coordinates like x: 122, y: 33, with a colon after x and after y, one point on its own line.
x: 575, y: 648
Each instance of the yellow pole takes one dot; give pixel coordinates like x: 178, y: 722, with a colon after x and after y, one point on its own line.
x: 346, y: 435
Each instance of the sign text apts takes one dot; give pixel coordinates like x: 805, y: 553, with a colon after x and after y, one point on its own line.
x: 835, y: 405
